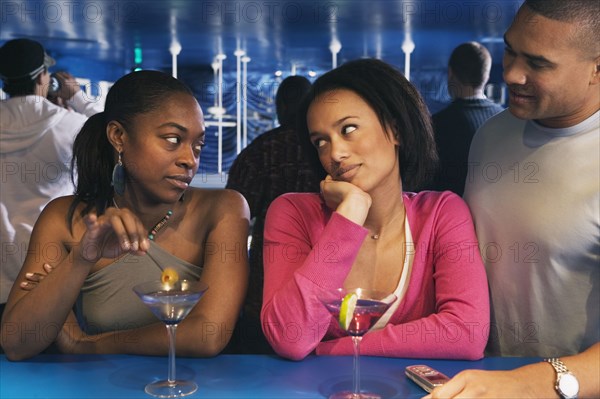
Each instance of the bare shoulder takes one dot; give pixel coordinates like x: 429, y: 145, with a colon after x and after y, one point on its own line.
x: 219, y: 202
x: 61, y: 202
x: 58, y: 222
x: 221, y: 214
x: 58, y: 209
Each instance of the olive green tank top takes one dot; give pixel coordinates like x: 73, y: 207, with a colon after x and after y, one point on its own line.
x: 107, y: 302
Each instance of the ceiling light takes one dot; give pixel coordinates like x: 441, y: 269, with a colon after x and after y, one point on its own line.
x: 216, y: 111
x: 175, y: 48
x: 335, y: 46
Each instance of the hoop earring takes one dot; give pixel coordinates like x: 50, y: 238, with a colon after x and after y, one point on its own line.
x: 118, y: 177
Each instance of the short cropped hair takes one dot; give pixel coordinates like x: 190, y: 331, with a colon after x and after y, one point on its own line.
x: 471, y: 64
x: 398, y: 105
x: 289, y: 96
x: 583, y: 13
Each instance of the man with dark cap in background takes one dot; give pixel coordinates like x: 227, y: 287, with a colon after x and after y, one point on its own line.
x: 36, y: 139
x: 273, y: 164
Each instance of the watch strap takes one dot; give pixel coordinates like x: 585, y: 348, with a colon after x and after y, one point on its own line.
x: 563, y: 372
x: 558, y: 365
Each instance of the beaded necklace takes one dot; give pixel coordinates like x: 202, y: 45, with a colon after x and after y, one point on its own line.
x: 158, y: 226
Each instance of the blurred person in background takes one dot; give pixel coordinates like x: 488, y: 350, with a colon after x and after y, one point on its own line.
x: 454, y: 126
x: 36, y: 140
x: 273, y: 164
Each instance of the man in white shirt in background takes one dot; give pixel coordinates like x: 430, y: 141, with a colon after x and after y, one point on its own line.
x: 36, y: 139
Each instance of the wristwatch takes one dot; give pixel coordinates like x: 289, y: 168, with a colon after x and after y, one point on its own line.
x: 566, y: 385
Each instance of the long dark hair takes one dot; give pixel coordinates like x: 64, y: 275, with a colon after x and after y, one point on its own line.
x: 398, y: 105
x: 93, y: 156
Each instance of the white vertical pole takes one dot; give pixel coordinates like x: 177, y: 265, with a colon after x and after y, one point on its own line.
x: 238, y: 54
x: 175, y: 49
x: 174, y: 65
x: 335, y: 46
x: 245, y: 60
x: 220, y: 58
x: 408, y: 46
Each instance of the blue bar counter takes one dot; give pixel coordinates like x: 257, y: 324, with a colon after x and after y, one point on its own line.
x: 225, y: 376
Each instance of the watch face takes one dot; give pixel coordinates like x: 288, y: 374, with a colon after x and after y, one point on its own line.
x: 568, y: 385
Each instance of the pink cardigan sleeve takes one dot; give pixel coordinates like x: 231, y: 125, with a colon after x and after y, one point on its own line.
x: 445, y: 311
x: 296, y: 269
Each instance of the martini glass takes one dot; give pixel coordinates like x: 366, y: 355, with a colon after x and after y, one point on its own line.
x: 171, y: 303
x: 370, y: 306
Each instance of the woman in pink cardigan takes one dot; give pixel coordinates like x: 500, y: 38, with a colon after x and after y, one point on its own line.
x: 371, y: 136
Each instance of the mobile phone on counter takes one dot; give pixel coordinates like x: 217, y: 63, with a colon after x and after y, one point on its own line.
x: 426, y: 377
